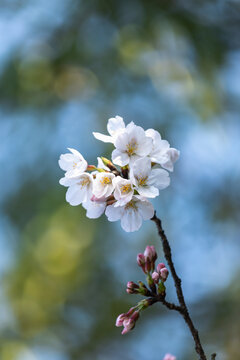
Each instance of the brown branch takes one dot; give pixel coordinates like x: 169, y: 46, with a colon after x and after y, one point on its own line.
x: 183, y: 310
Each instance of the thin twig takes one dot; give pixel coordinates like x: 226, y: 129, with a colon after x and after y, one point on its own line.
x: 183, y: 310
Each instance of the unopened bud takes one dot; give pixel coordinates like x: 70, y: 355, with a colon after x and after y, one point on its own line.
x: 132, y: 288
x: 141, y: 262
x: 150, y: 257
x: 160, y: 266
x: 164, y: 274
x: 108, y: 163
x: 155, y: 277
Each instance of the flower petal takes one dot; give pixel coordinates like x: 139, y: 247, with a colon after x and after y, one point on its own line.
x: 131, y: 220
x: 94, y: 208
x: 102, y: 137
x: 114, y: 213
x: 76, y: 195
x: 120, y: 158
x: 159, y: 178
x: 146, y: 209
x: 115, y: 124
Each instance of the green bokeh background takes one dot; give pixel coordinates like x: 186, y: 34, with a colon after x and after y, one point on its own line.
x: 65, y: 68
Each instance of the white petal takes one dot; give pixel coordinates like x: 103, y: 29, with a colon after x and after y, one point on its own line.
x: 75, y: 153
x: 148, y: 191
x: 145, y: 147
x: 155, y: 135
x: 76, y: 195
x: 120, y: 158
x: 142, y: 167
x: 115, y: 124
x: 65, y: 161
x: 114, y: 213
x: 67, y: 181
x: 146, y: 209
x: 173, y: 155
x: 159, y: 178
x: 94, y: 209
x: 131, y: 220
x: 102, y: 137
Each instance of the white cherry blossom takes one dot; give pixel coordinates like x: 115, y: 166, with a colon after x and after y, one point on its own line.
x: 74, y: 164
x: 131, y: 214
x: 148, y: 181
x: 103, y: 185
x: 94, y: 208
x: 80, y: 188
x: 123, y: 192
x: 131, y: 144
x: 162, y: 153
x: 114, y: 127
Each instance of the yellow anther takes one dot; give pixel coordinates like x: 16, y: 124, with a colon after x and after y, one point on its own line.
x: 125, y: 188
x: 142, y: 181
x: 132, y: 147
x: 106, y: 180
x: 131, y: 205
x: 84, y: 182
x: 74, y: 165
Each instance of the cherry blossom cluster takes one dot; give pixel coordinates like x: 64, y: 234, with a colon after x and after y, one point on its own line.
x: 155, y: 290
x: 121, y: 187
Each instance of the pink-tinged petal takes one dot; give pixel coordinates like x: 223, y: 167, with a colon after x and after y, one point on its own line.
x: 120, y: 158
x: 102, y: 137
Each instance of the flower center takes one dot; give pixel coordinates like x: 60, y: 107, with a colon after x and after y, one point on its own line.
x: 74, y: 165
x: 125, y: 188
x: 142, y: 181
x: 84, y: 182
x: 131, y: 205
x: 132, y: 147
x: 106, y: 180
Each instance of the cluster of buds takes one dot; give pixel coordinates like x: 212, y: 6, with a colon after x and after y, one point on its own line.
x: 155, y: 290
x: 140, y: 166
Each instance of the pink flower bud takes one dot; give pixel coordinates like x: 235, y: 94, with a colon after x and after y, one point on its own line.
x: 132, y: 288
x: 155, y: 277
x: 164, y: 274
x: 169, y: 357
x: 150, y: 253
x: 140, y: 259
x: 129, y: 324
x: 120, y: 319
x: 160, y: 266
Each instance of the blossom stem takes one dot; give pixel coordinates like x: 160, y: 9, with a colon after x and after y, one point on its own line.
x: 182, y: 309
